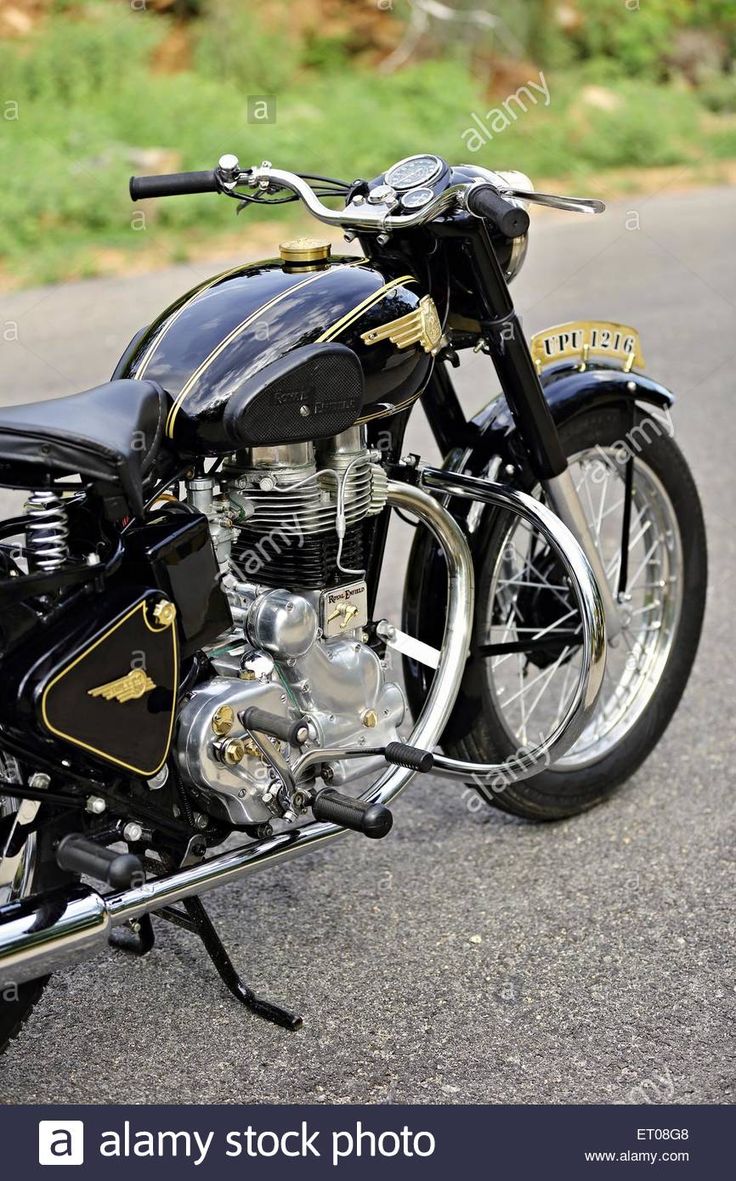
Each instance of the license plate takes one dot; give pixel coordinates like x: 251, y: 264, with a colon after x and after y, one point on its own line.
x: 344, y: 608
x: 583, y: 338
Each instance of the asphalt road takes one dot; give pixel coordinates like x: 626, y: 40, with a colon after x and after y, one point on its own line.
x: 468, y: 957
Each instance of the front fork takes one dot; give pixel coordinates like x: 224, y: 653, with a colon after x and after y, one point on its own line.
x: 563, y: 496
x: 531, y: 413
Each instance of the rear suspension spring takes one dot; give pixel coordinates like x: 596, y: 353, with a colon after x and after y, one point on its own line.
x: 47, y: 531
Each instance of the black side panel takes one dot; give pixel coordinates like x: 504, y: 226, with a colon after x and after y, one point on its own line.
x: 311, y: 393
x: 174, y: 553
x: 111, y: 691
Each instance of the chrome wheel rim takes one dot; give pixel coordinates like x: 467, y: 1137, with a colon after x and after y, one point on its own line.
x: 529, y: 697
x: 17, y: 856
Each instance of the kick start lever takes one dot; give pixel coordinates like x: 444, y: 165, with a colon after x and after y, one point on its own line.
x: 399, y: 754
x: 372, y: 820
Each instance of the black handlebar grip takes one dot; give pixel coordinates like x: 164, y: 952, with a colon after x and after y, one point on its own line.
x: 173, y: 184
x: 401, y: 755
x: 509, y: 220
x: 293, y: 732
x: 372, y: 820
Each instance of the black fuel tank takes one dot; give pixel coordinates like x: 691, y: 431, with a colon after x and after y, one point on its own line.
x: 207, y: 346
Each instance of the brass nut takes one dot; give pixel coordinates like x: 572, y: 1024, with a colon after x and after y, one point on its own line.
x: 370, y: 718
x: 223, y: 720
x: 234, y: 751
x: 164, y: 613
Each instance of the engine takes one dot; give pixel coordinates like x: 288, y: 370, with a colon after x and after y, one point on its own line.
x: 291, y: 526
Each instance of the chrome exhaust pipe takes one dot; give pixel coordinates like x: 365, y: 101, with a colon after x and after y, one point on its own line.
x: 41, y: 935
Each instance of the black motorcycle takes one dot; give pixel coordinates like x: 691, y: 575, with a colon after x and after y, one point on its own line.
x: 188, y: 638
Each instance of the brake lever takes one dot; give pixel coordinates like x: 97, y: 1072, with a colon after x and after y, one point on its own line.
x: 569, y: 204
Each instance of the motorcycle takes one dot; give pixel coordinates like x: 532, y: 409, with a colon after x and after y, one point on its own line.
x: 189, y: 640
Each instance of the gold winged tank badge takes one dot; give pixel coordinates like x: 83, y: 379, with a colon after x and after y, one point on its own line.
x: 419, y: 327
x: 132, y: 686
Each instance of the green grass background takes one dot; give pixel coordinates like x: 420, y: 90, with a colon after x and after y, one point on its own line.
x: 79, y: 102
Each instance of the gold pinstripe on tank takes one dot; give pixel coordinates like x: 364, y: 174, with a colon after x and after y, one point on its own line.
x: 351, y: 316
x: 206, y: 286
x: 232, y: 336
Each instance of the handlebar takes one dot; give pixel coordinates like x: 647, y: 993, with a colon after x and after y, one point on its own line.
x: 174, y: 184
x: 481, y: 198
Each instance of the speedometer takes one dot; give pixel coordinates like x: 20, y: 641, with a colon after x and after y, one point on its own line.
x: 414, y: 171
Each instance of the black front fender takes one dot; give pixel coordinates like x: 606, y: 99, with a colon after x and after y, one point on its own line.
x: 569, y: 391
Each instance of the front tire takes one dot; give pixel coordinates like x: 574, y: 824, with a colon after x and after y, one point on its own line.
x: 646, y: 676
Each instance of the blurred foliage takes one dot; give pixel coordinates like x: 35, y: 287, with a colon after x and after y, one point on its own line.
x: 102, y: 90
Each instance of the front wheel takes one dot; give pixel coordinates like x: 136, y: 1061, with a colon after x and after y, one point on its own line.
x: 525, y: 655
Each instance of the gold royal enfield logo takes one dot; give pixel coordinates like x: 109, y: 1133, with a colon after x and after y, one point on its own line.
x: 420, y: 327
x: 131, y: 687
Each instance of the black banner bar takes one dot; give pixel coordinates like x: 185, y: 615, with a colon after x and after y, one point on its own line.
x: 266, y: 1142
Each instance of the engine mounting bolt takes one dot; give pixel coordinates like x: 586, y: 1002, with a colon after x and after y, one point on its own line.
x: 96, y: 805
x: 234, y: 751
x: 223, y: 720
x: 132, y: 832
x: 370, y: 718
x: 200, y: 820
x: 39, y: 781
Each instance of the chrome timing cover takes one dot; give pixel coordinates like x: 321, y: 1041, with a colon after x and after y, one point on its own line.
x: 338, y: 684
x: 229, y: 792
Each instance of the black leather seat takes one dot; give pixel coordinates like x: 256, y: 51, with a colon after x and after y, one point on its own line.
x: 110, y: 434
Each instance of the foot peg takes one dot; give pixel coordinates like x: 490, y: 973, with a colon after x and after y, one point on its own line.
x: 402, y: 755
x: 77, y: 854
x: 372, y: 820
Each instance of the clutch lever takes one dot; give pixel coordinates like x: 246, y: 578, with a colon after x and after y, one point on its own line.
x: 570, y: 204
